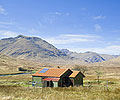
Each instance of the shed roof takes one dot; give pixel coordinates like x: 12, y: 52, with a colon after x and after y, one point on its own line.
x: 75, y: 73
x: 51, y: 72
x: 51, y: 79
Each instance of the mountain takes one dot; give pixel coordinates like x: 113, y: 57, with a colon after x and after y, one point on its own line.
x: 37, y: 49
x: 90, y: 57
x: 28, y: 47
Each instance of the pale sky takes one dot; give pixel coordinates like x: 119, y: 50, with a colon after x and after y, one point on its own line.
x: 77, y: 25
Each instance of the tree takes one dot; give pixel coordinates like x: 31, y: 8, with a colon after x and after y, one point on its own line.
x: 82, y: 69
x: 98, y: 73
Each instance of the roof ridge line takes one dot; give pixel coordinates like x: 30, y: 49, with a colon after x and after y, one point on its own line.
x: 64, y: 71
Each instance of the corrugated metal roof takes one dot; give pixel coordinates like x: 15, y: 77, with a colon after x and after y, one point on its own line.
x: 51, y: 79
x: 74, y: 74
x: 52, y: 72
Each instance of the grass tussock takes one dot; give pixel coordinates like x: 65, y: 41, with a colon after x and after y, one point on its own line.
x: 71, y: 93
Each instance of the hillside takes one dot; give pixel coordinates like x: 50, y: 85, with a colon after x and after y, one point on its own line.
x: 28, y: 47
x: 9, y: 64
x: 112, y: 62
x: 108, y: 57
x: 90, y: 57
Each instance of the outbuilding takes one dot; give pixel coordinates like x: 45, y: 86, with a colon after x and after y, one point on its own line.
x: 77, y: 78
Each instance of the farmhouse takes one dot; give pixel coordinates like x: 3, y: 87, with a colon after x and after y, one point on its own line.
x: 56, y: 77
x: 77, y: 78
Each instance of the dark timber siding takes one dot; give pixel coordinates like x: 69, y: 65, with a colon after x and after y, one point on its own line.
x: 78, y: 80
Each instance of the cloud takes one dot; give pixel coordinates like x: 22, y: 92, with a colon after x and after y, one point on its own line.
x: 83, y: 9
x: 3, y: 26
x: 5, y: 34
x: 113, y: 49
x: 71, y: 38
x: 67, y: 14
x: 6, y: 23
x: 2, y: 10
x: 81, y: 36
x: 33, y: 31
x: 116, y: 31
x: 99, y: 17
x: 58, y: 13
x: 51, y: 18
x: 97, y: 27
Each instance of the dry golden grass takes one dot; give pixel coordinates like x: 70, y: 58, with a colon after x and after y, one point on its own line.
x: 71, y: 93
x: 16, y: 88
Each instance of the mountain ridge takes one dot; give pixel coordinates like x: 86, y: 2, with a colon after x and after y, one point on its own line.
x: 35, y: 48
x: 90, y: 57
x: 28, y: 47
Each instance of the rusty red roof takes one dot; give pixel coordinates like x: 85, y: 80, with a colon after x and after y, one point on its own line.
x: 75, y: 73
x: 51, y: 72
x: 51, y: 79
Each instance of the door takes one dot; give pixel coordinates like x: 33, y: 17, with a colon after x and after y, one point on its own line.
x: 49, y: 84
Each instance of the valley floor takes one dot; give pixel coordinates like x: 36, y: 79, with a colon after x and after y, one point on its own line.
x: 19, y: 87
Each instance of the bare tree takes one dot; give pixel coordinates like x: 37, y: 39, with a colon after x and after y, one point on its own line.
x: 82, y: 69
x: 98, y: 73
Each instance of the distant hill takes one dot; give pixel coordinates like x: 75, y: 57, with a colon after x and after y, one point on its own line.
x: 28, y: 47
x: 111, y: 63
x: 108, y: 57
x: 90, y: 57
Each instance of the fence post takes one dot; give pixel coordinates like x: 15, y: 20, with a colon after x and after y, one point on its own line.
x: 107, y: 85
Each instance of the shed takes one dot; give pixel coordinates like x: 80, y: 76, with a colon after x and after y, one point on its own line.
x: 77, y: 78
x: 52, y: 77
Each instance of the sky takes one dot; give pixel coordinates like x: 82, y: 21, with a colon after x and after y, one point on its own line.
x: 77, y: 25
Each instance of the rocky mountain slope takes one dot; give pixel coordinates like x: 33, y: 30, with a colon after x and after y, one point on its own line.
x: 28, y: 47
x: 90, y: 57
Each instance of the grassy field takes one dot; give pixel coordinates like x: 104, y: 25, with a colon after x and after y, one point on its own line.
x: 71, y: 93
x: 17, y: 88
